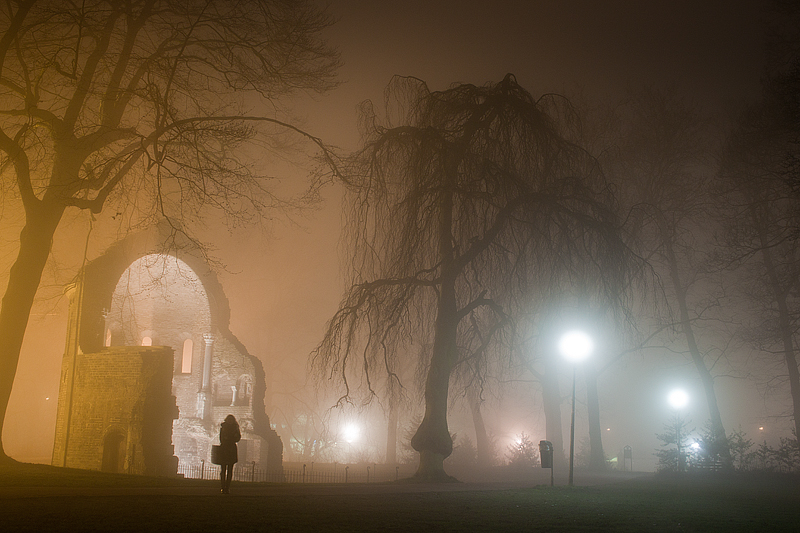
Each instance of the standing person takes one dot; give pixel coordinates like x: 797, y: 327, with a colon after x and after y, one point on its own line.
x: 229, y: 435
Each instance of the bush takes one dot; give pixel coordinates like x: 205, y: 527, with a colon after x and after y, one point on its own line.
x: 524, y: 452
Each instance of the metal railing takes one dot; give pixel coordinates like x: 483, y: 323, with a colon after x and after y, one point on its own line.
x: 250, y: 472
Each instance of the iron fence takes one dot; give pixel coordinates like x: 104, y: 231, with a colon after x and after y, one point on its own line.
x: 251, y: 473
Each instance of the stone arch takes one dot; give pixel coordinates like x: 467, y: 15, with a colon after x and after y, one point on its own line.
x: 101, y: 276
x: 91, y: 314
x: 159, y: 298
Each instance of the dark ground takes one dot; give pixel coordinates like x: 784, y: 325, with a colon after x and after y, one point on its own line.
x: 43, y: 498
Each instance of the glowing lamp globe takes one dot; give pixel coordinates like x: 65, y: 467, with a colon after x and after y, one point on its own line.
x: 351, y: 433
x: 678, y: 398
x: 575, y: 346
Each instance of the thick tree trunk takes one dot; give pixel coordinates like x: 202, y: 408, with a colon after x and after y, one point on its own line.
x: 35, y: 242
x: 481, y: 438
x: 597, y: 458
x: 432, y: 439
x: 717, y: 429
x: 551, y: 400
x: 391, y: 436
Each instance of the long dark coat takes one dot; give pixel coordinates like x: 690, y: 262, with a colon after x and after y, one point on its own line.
x: 229, y: 435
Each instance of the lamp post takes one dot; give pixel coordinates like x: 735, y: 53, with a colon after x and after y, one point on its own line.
x: 678, y: 399
x: 575, y: 346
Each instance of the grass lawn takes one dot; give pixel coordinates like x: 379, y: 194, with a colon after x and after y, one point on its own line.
x: 43, y: 498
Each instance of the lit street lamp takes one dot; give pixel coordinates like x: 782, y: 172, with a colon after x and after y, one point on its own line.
x: 575, y: 346
x: 678, y: 399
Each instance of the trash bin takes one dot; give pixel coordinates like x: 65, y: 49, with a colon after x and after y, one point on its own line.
x: 546, y: 453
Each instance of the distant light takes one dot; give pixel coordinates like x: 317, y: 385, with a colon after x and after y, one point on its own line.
x: 351, y: 433
x: 47, y: 398
x: 761, y: 428
x: 678, y: 398
x: 608, y: 429
x: 575, y: 346
x: 695, y: 445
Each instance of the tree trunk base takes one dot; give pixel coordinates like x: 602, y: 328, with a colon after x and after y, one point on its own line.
x: 431, y: 469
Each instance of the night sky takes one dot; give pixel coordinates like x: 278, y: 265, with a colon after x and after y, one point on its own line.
x: 287, y: 286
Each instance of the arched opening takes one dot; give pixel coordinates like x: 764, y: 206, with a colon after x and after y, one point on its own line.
x: 147, y: 341
x: 186, y: 359
x: 113, y: 452
x: 244, y: 390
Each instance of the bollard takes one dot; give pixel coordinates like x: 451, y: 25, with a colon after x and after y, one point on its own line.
x: 304, y: 473
x: 346, y: 469
x: 253, y: 474
x: 367, y: 474
x: 396, y: 473
x: 202, y: 468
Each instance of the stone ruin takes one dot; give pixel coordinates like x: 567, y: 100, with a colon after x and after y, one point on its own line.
x: 150, y: 368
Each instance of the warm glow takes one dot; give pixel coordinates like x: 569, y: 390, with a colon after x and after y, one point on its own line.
x: 678, y: 398
x: 351, y: 433
x: 186, y: 359
x: 575, y: 346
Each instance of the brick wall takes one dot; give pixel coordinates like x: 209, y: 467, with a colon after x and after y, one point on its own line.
x: 119, y: 396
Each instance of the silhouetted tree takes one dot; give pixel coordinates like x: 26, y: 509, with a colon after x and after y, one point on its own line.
x: 676, y: 432
x: 141, y: 103
x: 740, y: 447
x: 760, y: 178
x: 664, y: 165
x: 476, y: 204
x: 523, y: 452
x: 483, y: 448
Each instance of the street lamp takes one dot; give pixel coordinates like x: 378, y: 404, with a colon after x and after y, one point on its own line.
x: 678, y: 399
x: 575, y: 346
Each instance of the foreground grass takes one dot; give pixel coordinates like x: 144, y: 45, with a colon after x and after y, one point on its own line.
x: 40, y: 498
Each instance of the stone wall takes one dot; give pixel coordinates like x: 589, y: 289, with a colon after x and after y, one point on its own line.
x: 154, y: 287
x: 121, y: 412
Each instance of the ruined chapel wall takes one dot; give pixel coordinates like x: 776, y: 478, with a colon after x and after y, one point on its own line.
x: 193, y: 311
x: 126, y: 391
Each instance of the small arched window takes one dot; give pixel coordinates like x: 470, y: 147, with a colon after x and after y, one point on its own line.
x: 186, y: 360
x: 147, y: 341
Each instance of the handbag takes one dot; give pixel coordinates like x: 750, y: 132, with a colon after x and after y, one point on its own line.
x: 216, y: 454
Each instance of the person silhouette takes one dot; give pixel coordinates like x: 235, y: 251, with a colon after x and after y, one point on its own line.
x: 229, y: 435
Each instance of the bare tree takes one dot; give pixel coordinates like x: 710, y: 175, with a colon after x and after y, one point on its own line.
x: 760, y: 181
x: 665, y: 167
x: 142, y: 102
x: 763, y: 242
x: 476, y: 204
